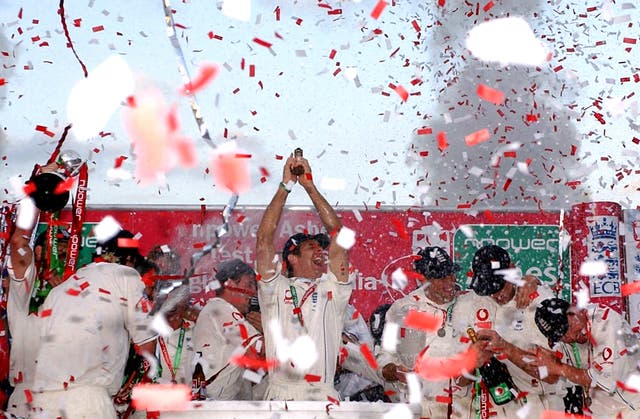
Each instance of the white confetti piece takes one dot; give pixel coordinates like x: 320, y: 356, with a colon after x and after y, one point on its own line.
x: 524, y: 411
x: 390, y: 337
x: 118, y: 175
x: 633, y: 381
x: 415, y: 388
x: 487, y: 42
x: 513, y: 275
x: 346, y: 238
x: 543, y: 372
x: 237, y: 9
x: 398, y: 279
x: 27, y: 212
x: 582, y: 296
x: 252, y: 376
x: 159, y: 324
x: 161, y: 397
x: 107, y: 228
x: 467, y: 230
x: 94, y: 99
x: 593, y: 268
x: 302, y: 352
x: 356, y: 213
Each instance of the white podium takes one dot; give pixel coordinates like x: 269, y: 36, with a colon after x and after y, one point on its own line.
x: 291, y: 409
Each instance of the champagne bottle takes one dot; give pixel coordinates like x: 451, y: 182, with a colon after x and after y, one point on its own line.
x: 297, y: 170
x: 198, y: 383
x: 496, y: 377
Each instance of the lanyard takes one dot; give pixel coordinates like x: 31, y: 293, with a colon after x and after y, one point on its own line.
x: 176, y: 358
x: 305, y: 297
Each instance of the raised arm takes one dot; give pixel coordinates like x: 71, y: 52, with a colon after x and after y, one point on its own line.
x: 338, y: 256
x: 265, y: 248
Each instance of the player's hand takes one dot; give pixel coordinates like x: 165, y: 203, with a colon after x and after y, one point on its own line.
x: 525, y: 293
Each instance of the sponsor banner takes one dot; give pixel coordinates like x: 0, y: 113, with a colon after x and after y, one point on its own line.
x: 632, y: 257
x: 384, y: 240
x: 533, y: 248
x: 595, y: 232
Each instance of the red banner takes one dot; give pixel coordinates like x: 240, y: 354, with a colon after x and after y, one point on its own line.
x: 382, y: 237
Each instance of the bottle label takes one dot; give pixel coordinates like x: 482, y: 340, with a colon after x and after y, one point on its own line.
x: 500, y: 393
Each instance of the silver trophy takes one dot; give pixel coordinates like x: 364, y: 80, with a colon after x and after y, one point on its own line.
x: 44, y: 185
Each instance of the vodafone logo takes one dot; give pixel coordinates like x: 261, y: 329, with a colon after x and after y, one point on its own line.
x: 482, y: 314
x: 499, y: 391
x: 606, y: 353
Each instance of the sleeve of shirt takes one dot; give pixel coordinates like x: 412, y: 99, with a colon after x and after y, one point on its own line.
x: 20, y: 289
x: 385, y: 357
x: 137, y: 323
x: 208, y: 339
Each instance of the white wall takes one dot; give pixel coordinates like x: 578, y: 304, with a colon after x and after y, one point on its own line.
x: 348, y: 129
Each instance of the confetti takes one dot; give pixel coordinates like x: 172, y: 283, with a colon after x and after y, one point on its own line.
x: 441, y: 137
x: 95, y: 99
x: 206, y: 73
x: 230, y: 170
x: 237, y: 9
x: 629, y: 288
x: 378, y: 9
x: 107, y: 228
x: 438, y: 369
x: 346, y: 238
x: 161, y: 397
x: 490, y: 94
x: 421, y: 320
x: 477, y: 137
x: 487, y: 41
x: 593, y: 268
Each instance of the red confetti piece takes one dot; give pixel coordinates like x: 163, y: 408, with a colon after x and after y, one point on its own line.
x: 490, y: 94
x: 366, y: 352
x: 128, y: 243
x: 212, y: 35
x: 243, y: 331
x: 73, y: 292
x: 262, y: 43
x: 27, y: 392
x: 65, y: 186
x: 335, y: 12
x: 118, y: 162
x: 415, y: 25
x: 421, y: 320
x: 310, y: 378
x: 377, y: 10
x: 477, y: 137
x: 332, y: 54
x: 104, y: 291
x: 252, y: 363
x: 630, y: 288
x: 401, y: 91
x: 2, y: 82
x: 441, y: 3
x: 441, y: 137
x: 45, y: 313
x: 84, y: 285
x: 424, y: 131
x: 488, y: 6
x: 629, y: 41
x: 443, y: 399
x: 231, y: 172
x: 399, y: 228
x: 76, y: 22
x: 97, y: 28
x: 439, y: 369
x: 553, y: 414
x: 206, y: 73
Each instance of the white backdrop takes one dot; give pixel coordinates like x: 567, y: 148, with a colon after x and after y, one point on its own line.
x: 358, y: 130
